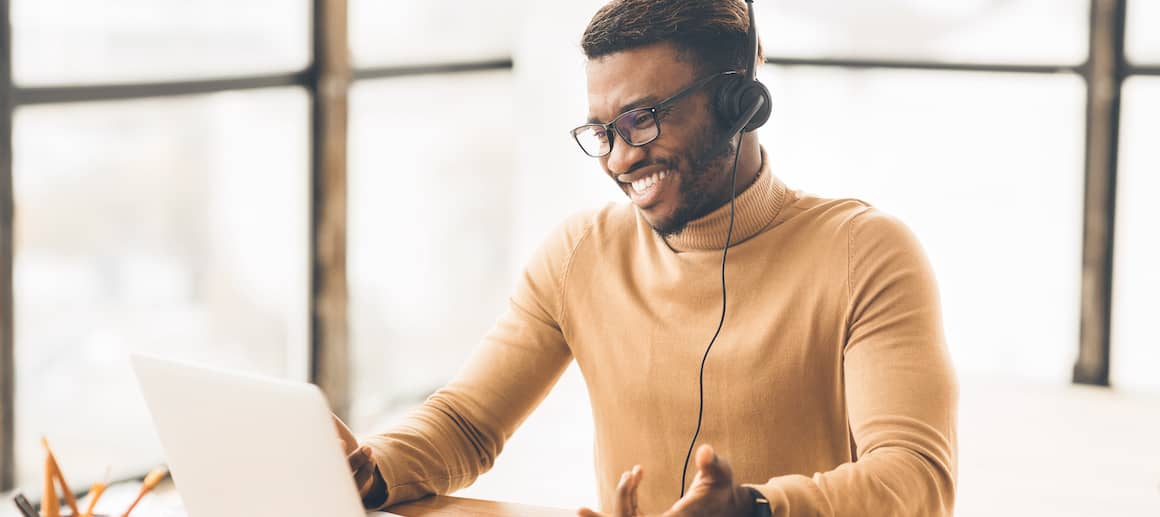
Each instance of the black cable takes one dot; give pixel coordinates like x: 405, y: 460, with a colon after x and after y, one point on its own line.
x: 724, y: 300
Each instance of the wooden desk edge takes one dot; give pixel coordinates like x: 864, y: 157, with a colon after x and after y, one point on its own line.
x: 445, y: 505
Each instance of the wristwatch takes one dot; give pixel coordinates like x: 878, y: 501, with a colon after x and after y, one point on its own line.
x: 760, y: 503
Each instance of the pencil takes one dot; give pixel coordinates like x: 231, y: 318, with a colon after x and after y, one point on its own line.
x: 49, y: 504
x: 151, y: 481
x: 95, y: 493
x: 68, y: 494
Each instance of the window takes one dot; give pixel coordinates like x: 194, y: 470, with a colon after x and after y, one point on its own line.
x: 430, y: 213
x: 76, y: 41
x: 1135, y: 347
x: 179, y: 225
x: 987, y: 170
x: 174, y: 227
x: 988, y: 31
x: 420, y: 33
x: 1142, y: 39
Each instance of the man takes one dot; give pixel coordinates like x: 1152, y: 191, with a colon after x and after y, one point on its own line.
x: 829, y: 390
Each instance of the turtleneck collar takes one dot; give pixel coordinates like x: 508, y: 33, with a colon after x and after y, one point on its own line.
x: 756, y: 206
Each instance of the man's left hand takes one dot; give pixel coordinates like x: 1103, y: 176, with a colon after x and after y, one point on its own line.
x: 712, y: 493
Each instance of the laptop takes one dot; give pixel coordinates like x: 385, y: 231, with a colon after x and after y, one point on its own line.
x: 246, y: 446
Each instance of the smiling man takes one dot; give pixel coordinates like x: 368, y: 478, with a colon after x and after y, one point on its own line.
x: 829, y: 390
x: 668, y: 184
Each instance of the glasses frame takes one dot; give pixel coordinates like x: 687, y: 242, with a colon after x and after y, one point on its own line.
x: 611, y: 127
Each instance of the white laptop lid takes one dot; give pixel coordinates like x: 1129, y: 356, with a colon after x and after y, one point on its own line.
x: 246, y: 446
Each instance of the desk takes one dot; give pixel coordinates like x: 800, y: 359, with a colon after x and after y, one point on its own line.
x: 166, y: 501
x: 447, y: 506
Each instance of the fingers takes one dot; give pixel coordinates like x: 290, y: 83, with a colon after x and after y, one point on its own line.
x: 374, y: 493
x: 362, y: 465
x: 623, y: 506
x: 349, y: 442
x: 625, y: 503
x: 372, y: 488
x: 712, y: 469
x: 360, y: 459
x: 712, y: 490
x: 637, y: 474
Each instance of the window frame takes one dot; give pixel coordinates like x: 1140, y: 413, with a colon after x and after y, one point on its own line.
x: 328, y: 78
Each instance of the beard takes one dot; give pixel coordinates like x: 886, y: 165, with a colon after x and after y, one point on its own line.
x: 705, y: 186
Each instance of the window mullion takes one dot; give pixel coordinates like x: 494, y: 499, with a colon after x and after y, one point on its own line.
x: 329, y: 298
x: 1105, y: 77
x: 7, y: 334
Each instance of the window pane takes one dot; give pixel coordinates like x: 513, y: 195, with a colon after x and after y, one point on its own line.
x: 401, y: 33
x: 1143, y: 38
x: 991, y: 183
x: 173, y: 227
x: 79, y: 41
x: 1135, y: 346
x: 1012, y: 31
x: 430, y: 194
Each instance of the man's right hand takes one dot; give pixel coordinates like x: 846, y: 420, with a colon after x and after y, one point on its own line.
x: 371, y: 487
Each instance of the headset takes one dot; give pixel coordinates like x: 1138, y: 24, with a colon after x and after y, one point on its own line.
x: 744, y: 104
x: 742, y: 101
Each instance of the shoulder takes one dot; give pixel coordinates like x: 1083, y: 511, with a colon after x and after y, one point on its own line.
x: 883, y: 253
x: 587, y: 231
x: 595, y: 229
x: 838, y: 212
x: 547, y: 272
x: 873, y: 232
x: 600, y: 223
x: 847, y: 218
x: 857, y: 236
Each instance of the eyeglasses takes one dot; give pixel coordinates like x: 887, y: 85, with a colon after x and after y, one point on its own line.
x: 637, y: 127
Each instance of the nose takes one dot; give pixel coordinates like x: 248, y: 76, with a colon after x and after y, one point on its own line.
x: 623, y: 157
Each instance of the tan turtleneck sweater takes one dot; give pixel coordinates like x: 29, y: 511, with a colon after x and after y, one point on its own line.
x: 829, y: 390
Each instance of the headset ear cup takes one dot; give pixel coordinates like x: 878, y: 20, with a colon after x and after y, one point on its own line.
x: 737, y: 93
x: 728, y: 99
x: 749, y: 94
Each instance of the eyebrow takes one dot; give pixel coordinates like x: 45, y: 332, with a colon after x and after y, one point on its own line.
x: 639, y: 103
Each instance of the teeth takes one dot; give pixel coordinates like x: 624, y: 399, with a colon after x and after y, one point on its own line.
x: 644, y: 184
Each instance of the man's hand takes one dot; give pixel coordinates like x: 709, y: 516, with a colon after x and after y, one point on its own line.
x: 371, y: 487
x: 712, y: 493
x: 349, y: 442
x: 625, y: 504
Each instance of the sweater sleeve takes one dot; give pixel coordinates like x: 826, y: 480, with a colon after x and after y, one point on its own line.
x: 901, y: 391
x: 455, y: 436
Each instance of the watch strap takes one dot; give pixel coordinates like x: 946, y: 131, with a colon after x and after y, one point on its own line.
x: 760, y: 503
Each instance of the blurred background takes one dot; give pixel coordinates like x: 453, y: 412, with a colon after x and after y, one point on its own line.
x: 162, y: 181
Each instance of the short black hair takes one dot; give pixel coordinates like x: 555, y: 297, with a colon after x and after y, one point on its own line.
x: 711, y: 33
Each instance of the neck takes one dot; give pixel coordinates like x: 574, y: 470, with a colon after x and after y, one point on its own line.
x: 748, y: 163
x: 758, y: 202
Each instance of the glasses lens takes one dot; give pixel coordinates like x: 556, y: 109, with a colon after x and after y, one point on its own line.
x: 593, y: 140
x: 637, y: 127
